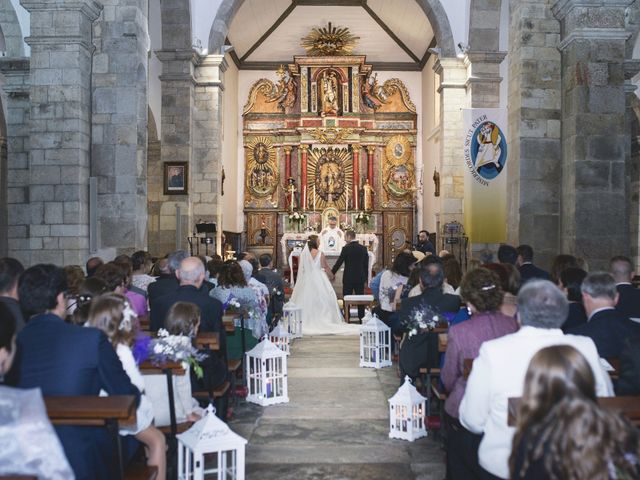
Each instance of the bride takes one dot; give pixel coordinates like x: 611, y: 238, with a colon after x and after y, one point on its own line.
x: 315, y: 295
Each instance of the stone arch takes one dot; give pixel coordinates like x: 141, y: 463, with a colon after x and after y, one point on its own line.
x: 11, y: 30
x: 4, y: 184
x: 176, y: 24
x: 432, y: 8
x: 484, y: 26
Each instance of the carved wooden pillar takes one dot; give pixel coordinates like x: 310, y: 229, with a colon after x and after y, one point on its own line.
x: 370, y: 151
x: 304, y: 150
x: 356, y: 173
x: 287, y: 164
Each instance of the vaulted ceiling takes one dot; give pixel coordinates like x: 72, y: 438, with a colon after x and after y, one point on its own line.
x: 394, y: 34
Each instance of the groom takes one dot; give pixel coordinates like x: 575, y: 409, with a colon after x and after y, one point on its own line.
x: 356, y: 267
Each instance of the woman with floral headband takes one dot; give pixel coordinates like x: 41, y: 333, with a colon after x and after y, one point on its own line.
x: 112, y: 313
x: 482, y: 292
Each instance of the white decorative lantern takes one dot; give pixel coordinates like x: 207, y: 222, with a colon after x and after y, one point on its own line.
x: 210, y: 449
x: 407, y: 413
x: 266, y: 374
x: 280, y: 338
x: 292, y: 319
x: 375, y: 342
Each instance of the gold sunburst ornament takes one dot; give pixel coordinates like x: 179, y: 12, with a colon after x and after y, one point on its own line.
x: 329, y: 41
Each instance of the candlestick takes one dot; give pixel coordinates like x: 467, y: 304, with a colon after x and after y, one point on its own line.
x: 304, y: 198
x: 357, y: 195
x: 346, y: 201
x: 314, y: 198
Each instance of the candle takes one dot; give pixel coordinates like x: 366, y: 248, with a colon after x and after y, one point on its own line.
x: 346, y: 201
x: 268, y: 388
x: 356, y: 192
x: 314, y: 198
x: 304, y: 198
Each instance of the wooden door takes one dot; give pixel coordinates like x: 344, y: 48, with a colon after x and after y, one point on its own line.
x: 397, y: 233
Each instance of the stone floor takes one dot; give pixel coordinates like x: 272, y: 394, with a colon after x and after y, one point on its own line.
x: 335, y: 425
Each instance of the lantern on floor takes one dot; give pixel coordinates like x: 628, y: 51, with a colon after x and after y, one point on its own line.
x: 280, y: 338
x: 375, y: 342
x: 407, y: 413
x: 266, y: 374
x: 292, y: 319
x: 210, y: 449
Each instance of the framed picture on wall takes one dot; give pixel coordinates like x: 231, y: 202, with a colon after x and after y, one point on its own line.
x: 175, y: 178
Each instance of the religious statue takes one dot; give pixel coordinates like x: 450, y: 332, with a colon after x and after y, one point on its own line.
x: 329, y: 93
x: 436, y: 181
x: 367, y: 196
x: 332, y: 237
x: 368, y: 90
x: 291, y: 194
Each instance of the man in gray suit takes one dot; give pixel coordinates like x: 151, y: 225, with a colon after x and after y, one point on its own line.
x: 274, y: 282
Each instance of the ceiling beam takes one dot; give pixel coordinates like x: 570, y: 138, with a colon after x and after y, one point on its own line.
x: 233, y: 54
x: 427, y: 53
x: 389, y: 32
x: 330, y: 3
x: 281, y: 18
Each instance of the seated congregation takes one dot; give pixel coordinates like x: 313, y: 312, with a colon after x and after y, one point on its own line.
x: 502, y: 334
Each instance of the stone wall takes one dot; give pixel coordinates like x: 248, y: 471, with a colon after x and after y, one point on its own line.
x: 119, y: 135
x: 534, y: 128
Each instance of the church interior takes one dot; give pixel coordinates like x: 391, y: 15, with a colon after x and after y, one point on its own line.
x: 226, y: 128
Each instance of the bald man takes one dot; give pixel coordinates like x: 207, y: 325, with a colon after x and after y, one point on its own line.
x: 190, y: 274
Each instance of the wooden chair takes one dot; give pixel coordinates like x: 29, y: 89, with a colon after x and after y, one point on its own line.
x: 109, y: 412
x: 349, y: 301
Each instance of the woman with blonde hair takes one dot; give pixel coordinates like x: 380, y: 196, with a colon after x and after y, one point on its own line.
x: 112, y: 313
x: 562, y: 433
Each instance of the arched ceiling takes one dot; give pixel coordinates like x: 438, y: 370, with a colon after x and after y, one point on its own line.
x: 394, y: 34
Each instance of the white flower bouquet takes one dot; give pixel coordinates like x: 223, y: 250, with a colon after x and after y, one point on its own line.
x: 296, y: 217
x: 362, y: 217
x: 176, y: 348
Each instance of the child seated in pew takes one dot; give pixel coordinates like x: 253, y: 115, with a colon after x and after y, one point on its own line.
x: 183, y: 320
x: 112, y: 313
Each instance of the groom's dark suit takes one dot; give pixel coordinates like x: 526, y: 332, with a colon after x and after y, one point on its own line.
x: 356, y: 269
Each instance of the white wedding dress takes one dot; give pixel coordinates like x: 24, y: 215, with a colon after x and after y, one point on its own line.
x: 314, y: 294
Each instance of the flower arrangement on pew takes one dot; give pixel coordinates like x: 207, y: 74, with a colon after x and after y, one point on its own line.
x: 423, y: 320
x: 176, y: 348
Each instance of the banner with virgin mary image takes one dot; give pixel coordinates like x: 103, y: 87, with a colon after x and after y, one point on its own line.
x: 485, y: 180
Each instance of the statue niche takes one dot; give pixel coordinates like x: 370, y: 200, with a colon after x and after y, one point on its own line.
x: 330, y: 82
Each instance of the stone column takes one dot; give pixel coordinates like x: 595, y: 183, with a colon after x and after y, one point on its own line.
x: 453, y: 98
x: 17, y: 89
x: 60, y: 129
x: 483, y: 78
x: 119, y: 137
x: 595, y: 202
x: 178, y: 81
x: 206, y: 158
x: 534, y: 100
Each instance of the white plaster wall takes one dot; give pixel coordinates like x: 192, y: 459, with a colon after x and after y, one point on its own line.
x: 232, y: 218
x: 155, y: 65
x: 430, y: 146
x: 24, y: 19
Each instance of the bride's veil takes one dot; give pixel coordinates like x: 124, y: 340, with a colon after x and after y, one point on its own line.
x: 305, y: 267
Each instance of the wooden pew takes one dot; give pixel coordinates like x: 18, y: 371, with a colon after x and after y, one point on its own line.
x: 629, y: 406
x: 109, y: 412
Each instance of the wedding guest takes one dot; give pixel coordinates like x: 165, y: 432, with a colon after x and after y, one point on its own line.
x: 136, y: 296
x: 92, y: 265
x: 607, y: 327
x: 74, y: 276
x: 526, y: 267
x: 214, y: 266
x: 141, y: 264
x: 629, y: 297
x: 64, y: 359
x: 183, y: 321
x: 629, y: 381
x: 499, y: 370
x: 112, y: 314
x: 482, y: 292
x: 274, y: 282
x: 168, y: 281
x: 391, y: 280
x: 23, y: 419
x: 507, y: 254
x: 191, y: 275
x: 561, y: 432
x: 452, y: 274
x: 561, y: 263
x: 510, y: 284
x: 570, y: 282
x: 10, y: 271
x: 232, y: 285
x: 90, y: 289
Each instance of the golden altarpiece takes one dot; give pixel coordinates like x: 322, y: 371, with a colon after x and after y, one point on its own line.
x: 328, y: 140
